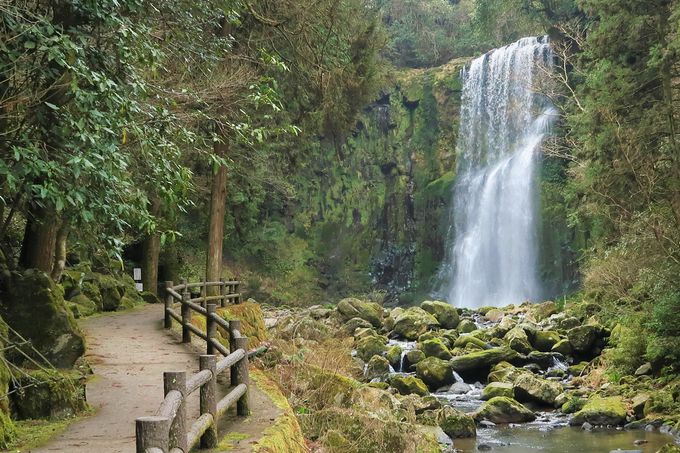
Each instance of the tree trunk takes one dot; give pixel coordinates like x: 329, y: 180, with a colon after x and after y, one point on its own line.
x: 218, y: 199
x: 40, y: 236
x: 151, y: 250
x: 60, y: 252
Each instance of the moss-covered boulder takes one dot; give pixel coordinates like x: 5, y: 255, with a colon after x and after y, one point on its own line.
x: 446, y: 314
x: 357, y: 323
x: 583, y: 338
x: 377, y: 368
x: 669, y: 448
x: 480, y: 362
x: 539, y: 312
x: 367, y: 347
x: 466, y: 326
x: 414, y: 322
x: 578, y: 369
x: 435, y: 372
x: 544, y: 340
x: 34, y: 306
x: 574, y: 403
x: 563, y: 347
x: 388, y: 321
x: 53, y: 395
x: 407, y: 385
x: 253, y: 327
x: 463, y: 340
x: 393, y: 355
x: 601, y: 411
x: 518, y: 340
x: 531, y: 388
x: 504, y: 410
x: 412, y: 358
x: 435, y: 348
x: 354, y: 308
x: 82, y: 306
x: 495, y: 389
x: 149, y: 297
x: 456, y: 424
x: 500, y: 372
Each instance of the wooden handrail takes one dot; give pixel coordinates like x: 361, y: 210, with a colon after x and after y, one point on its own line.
x: 169, y: 431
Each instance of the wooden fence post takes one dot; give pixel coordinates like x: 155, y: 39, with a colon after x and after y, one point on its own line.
x: 152, y: 432
x: 177, y: 380
x: 237, y: 290
x: 234, y: 324
x: 186, y: 318
x: 204, y: 293
x: 208, y: 399
x: 168, y: 305
x: 242, y: 377
x: 223, y: 292
x: 211, y: 327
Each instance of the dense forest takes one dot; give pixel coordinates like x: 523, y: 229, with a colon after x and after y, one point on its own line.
x: 308, y: 149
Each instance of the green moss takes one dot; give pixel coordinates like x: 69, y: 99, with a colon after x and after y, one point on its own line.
x: 227, y: 442
x: 50, y: 394
x: 31, y: 434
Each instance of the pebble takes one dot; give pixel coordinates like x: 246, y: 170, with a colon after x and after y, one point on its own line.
x: 483, y: 447
x: 587, y: 426
x: 640, y: 442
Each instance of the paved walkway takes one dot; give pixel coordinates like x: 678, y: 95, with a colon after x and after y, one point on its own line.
x: 129, y: 352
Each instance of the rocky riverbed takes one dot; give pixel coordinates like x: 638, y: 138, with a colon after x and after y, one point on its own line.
x: 512, y: 379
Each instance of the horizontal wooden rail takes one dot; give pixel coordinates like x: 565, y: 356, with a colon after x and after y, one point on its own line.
x: 169, y: 431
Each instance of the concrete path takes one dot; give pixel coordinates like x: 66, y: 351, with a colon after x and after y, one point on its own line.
x: 129, y: 352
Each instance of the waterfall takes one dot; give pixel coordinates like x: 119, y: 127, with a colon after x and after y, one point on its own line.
x: 493, y: 260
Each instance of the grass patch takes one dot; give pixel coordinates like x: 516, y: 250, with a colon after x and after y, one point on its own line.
x: 34, y: 433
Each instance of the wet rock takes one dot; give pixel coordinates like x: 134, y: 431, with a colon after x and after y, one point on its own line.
x: 377, y: 368
x: 484, y: 447
x: 544, y: 340
x: 486, y: 424
x: 518, y: 340
x: 530, y: 388
x: 587, y: 426
x: 480, y: 362
x: 466, y: 326
x: 393, y: 355
x: 644, y: 369
x: 354, y: 308
x: 459, y: 388
x: 407, y: 385
x: 457, y: 424
x: 601, y: 411
x: 369, y: 346
x: 435, y: 348
x: 435, y: 372
x: 414, y: 322
x: 544, y: 359
x: 500, y: 372
x: 504, y: 410
x: 446, y: 314
x: 412, y: 358
x: 495, y: 389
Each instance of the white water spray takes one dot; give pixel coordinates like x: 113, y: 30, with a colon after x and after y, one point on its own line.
x: 503, y: 122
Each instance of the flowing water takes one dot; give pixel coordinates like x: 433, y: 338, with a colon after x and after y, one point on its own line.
x: 503, y: 122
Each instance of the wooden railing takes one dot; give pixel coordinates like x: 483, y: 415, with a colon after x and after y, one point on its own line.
x: 168, y: 430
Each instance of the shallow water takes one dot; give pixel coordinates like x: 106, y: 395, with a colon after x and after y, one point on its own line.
x: 537, y: 437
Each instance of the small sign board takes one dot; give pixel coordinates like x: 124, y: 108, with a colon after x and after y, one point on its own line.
x: 137, y: 273
x: 140, y: 287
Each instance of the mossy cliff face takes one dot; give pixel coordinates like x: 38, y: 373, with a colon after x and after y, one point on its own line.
x: 375, y: 207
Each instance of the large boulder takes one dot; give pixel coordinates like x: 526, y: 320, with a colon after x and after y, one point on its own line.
x: 539, y: 312
x: 407, y: 385
x: 467, y: 326
x: 393, y: 355
x: 456, y: 424
x: 34, y: 306
x: 518, y: 340
x: 435, y: 348
x: 479, y: 362
x: 531, y: 388
x: 446, y: 314
x: 504, y: 410
x: 601, y: 411
x: 354, y: 308
x: 583, y: 338
x: 377, y: 368
x: 463, y: 340
x: 435, y: 372
x: 414, y: 322
x: 82, y: 306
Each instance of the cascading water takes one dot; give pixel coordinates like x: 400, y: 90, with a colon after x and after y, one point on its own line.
x: 503, y: 121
